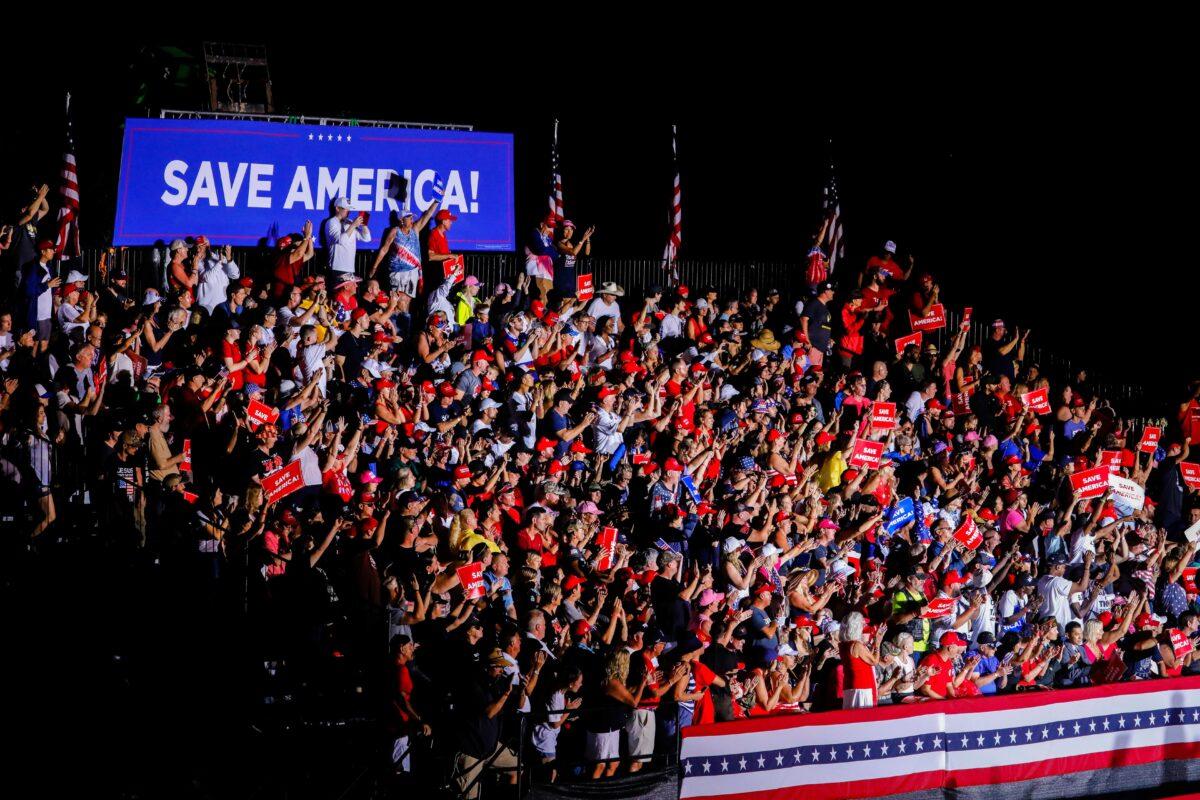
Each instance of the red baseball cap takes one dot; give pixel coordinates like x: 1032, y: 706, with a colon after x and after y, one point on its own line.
x: 383, y: 383
x: 672, y: 465
x: 481, y: 355
x: 579, y: 447
x: 608, y: 391
x: 571, y: 582
x: 462, y: 471
x: 545, y: 444
x: 951, y: 638
x: 446, y: 389
x: 444, y: 214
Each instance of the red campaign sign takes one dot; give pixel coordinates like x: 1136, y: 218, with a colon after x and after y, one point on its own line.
x: 584, y: 289
x: 905, y: 341
x: 260, y: 413
x: 1180, y: 643
x: 1150, y: 437
x: 1037, y: 401
x: 1191, y: 474
x: 1090, y: 482
x: 883, y: 416
x: 1189, y: 580
x: 1110, y: 459
x: 960, y: 403
x: 935, y: 320
x: 471, y: 578
x: 186, y: 464
x: 866, y: 454
x: 968, y: 533
x: 191, y: 497
x: 607, y: 540
x: 640, y: 458
x: 967, y: 315
x: 939, y: 607
x: 282, y: 482
x: 455, y: 269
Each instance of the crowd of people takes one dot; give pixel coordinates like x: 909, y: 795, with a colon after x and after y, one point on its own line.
x: 555, y: 530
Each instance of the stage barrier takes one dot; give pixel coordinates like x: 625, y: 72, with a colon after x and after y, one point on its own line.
x: 1055, y: 744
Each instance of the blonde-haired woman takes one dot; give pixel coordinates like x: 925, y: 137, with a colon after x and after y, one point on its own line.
x: 801, y: 598
x: 462, y: 526
x: 604, y: 724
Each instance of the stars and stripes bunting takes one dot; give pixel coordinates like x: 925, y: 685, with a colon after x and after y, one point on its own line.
x: 556, y: 197
x: 66, y: 243
x: 1044, y: 743
x: 671, y: 252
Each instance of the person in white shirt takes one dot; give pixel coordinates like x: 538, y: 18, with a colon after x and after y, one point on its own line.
x: 216, y: 272
x: 606, y: 304
x: 342, y: 233
x: 1055, y: 590
x: 672, y: 324
x: 915, y: 404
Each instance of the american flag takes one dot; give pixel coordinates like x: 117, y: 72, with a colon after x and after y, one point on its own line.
x: 1062, y: 743
x: 671, y: 252
x: 833, y: 221
x: 556, y: 201
x: 66, y: 244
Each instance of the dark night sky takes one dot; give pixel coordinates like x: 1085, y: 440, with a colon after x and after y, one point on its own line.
x: 1053, y: 196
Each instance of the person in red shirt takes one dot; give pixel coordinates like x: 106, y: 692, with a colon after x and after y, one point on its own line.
x: 439, y: 246
x: 1189, y: 413
x: 405, y: 720
x: 925, y: 297
x: 888, y: 265
x: 940, y: 667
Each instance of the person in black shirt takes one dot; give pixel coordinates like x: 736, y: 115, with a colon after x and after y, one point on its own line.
x: 815, y: 322
x: 477, y: 719
x: 353, y: 346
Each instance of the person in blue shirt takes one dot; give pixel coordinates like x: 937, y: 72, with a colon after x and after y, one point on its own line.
x: 990, y: 674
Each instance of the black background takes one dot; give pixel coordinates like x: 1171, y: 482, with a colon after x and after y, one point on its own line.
x: 1057, y: 196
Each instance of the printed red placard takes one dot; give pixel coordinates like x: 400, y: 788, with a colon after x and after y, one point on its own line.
x: 939, y: 607
x: 866, y: 454
x: 1090, y: 482
x: 584, y: 289
x: 471, y: 578
x: 1191, y: 474
x: 1150, y: 437
x: 934, y: 321
x: 455, y: 269
x: 905, y: 341
x: 607, y: 540
x: 282, y: 482
x: 261, y: 414
x: 1037, y: 401
x: 883, y: 416
x: 968, y: 533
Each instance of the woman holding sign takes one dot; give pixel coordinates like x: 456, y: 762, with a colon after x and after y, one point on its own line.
x: 566, y: 252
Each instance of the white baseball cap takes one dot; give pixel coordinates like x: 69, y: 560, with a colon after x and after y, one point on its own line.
x: 342, y: 202
x: 890, y: 246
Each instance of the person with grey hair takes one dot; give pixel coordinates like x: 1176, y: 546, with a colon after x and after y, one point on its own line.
x: 859, y: 689
x: 162, y: 463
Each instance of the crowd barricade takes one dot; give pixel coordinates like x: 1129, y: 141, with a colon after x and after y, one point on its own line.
x: 1062, y: 743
